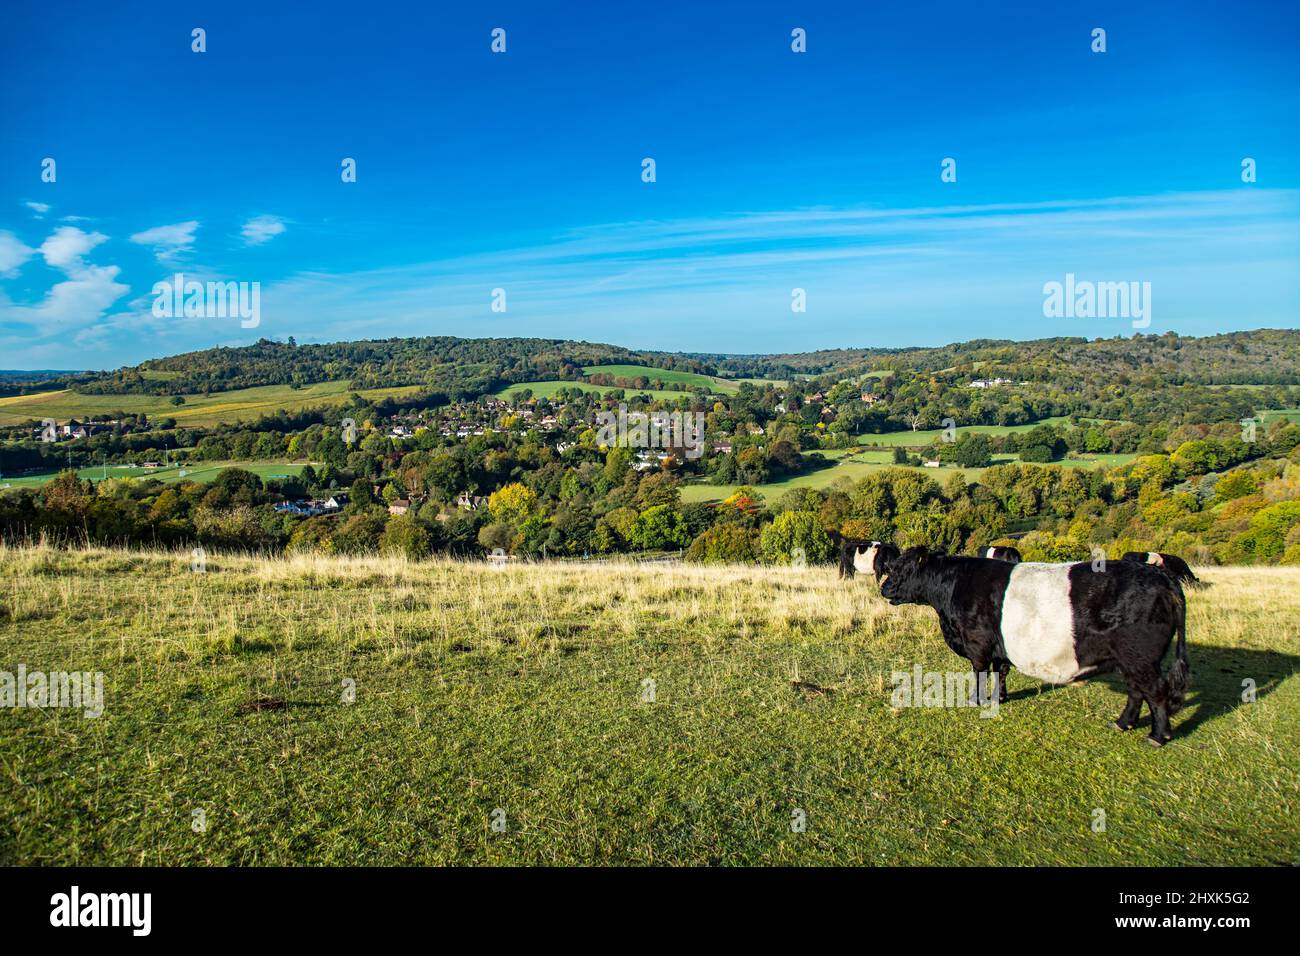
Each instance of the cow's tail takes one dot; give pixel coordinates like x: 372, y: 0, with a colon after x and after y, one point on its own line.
x: 1180, y: 674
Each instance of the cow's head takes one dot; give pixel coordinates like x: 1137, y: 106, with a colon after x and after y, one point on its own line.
x: 908, y: 575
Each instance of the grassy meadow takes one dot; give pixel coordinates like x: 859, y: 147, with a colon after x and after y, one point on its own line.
x: 1270, y: 415
x: 718, y: 386
x: 550, y: 388
x: 245, y: 404
x: 723, y: 386
x: 924, y: 437
x: 523, y: 689
x: 855, y: 465
x: 201, y: 472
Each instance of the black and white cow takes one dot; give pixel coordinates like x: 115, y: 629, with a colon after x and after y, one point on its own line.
x: 1057, y: 622
x: 868, y: 556
x: 1171, y: 564
x: 1003, y: 554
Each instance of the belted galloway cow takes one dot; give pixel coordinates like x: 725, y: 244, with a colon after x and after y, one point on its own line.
x: 1171, y: 564
x: 867, y: 556
x: 1057, y: 622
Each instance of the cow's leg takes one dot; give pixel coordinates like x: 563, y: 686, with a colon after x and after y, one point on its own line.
x: 1160, y: 733
x: 1159, y: 705
x: 1132, y: 711
x: 1145, y: 680
x: 1003, y: 667
x: 980, y: 665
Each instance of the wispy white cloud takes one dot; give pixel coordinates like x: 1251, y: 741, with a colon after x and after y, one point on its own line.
x: 78, y: 300
x: 39, y: 209
x: 168, y: 242
x: 13, y: 253
x: 873, y: 276
x: 67, y: 245
x: 260, y: 229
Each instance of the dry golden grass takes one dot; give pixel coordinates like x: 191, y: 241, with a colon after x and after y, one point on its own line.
x: 521, y: 688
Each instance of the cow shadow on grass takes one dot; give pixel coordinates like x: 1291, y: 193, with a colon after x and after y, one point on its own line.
x: 1218, y: 676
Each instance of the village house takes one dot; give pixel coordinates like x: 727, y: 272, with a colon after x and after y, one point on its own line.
x: 648, y: 459
x: 306, y: 509
x: 467, y: 502
x: 74, y: 429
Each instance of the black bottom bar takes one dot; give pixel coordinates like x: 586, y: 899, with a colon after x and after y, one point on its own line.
x: 337, y: 906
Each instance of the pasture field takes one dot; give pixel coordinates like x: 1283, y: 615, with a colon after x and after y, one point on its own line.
x: 852, y: 467
x: 201, y: 472
x: 920, y: 439
x: 549, y: 388
x: 245, y: 404
x: 1270, y: 415
x: 1107, y: 460
x: 724, y: 386
x: 856, y: 465
x: 523, y: 691
x: 694, y: 379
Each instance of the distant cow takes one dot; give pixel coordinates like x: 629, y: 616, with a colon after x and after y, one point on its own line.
x: 1171, y: 564
x: 869, y: 556
x: 1057, y: 622
x: 1003, y: 554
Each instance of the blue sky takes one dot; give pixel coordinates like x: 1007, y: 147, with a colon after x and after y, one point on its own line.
x: 522, y: 171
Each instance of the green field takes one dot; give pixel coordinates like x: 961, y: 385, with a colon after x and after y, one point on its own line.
x: 201, y: 472
x: 245, y: 404
x: 1270, y: 415
x: 854, y: 468
x: 857, y: 465
x: 1107, y: 460
x: 549, y: 388
x: 672, y: 376
x: 522, y: 694
x: 723, y: 386
x: 919, y: 439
